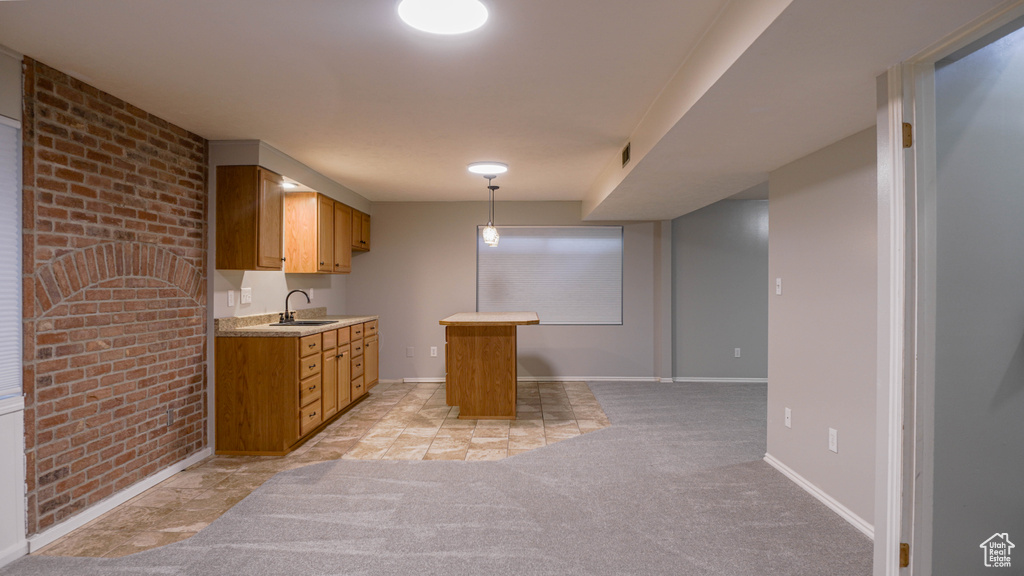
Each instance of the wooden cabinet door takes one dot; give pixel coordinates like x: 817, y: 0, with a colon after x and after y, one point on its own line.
x: 329, y: 396
x: 344, y: 376
x: 269, y: 245
x: 357, y: 229
x: 364, y: 235
x: 342, y: 238
x: 372, y: 359
x: 325, y: 234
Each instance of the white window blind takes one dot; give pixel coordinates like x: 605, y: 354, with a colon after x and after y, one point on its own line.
x: 10, y: 260
x: 566, y: 274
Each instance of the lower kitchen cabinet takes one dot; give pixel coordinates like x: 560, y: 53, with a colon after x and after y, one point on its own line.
x: 274, y: 393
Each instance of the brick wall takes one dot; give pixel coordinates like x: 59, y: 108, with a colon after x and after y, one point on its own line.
x: 114, y: 284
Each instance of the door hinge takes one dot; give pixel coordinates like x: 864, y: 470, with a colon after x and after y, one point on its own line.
x: 904, y: 547
x: 908, y: 135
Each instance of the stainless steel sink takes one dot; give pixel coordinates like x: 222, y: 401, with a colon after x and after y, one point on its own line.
x: 305, y: 323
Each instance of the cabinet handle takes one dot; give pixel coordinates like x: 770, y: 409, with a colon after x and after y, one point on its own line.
x: 282, y: 259
x: 313, y: 387
x: 342, y: 355
x: 321, y: 263
x: 313, y: 414
x: 313, y: 345
x: 311, y: 366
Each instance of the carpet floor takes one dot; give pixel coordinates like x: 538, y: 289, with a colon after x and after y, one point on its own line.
x: 675, y: 485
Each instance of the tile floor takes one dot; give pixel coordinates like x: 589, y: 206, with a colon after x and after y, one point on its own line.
x: 397, y: 422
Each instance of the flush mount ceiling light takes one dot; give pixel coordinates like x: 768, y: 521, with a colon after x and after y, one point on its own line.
x: 443, y: 16
x: 488, y: 168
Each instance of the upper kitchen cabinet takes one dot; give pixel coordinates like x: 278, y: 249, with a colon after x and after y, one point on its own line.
x: 360, y: 231
x: 250, y: 217
x: 317, y: 232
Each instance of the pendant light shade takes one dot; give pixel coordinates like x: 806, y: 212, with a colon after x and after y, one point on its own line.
x: 490, y: 234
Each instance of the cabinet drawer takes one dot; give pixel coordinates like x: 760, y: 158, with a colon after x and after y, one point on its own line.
x: 309, y: 345
x: 357, y: 331
x: 309, y: 390
x: 309, y: 417
x: 357, y: 366
x: 344, y: 335
x: 309, y: 366
x: 369, y: 328
x: 330, y: 339
x: 357, y: 387
x: 357, y: 347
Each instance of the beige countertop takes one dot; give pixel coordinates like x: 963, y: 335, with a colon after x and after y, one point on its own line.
x: 258, y: 325
x: 490, y: 318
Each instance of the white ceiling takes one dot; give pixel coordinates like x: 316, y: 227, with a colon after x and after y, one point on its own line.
x: 554, y: 88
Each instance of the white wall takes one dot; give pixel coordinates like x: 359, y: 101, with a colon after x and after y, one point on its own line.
x: 821, y: 334
x: 422, y: 268
x: 979, y: 308
x: 720, y: 302
x: 12, y: 413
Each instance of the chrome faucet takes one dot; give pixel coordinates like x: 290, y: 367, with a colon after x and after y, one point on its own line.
x: 288, y: 317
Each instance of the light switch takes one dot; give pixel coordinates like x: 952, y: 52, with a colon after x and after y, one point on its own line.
x: 246, y: 296
x: 409, y: 352
x: 778, y: 286
x: 231, y: 297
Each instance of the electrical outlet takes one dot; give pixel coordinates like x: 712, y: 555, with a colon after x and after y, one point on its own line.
x: 410, y: 352
x: 310, y: 292
x: 778, y: 286
x: 789, y: 418
x: 736, y: 353
x: 231, y: 297
x: 170, y: 416
x: 246, y: 296
x: 433, y: 351
x: 833, y: 440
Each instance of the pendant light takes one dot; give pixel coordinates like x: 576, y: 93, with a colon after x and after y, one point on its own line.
x: 490, y: 233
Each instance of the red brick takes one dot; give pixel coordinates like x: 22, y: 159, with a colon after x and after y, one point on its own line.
x: 115, y: 240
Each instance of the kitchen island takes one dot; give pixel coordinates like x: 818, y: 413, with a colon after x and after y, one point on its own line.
x: 480, y: 361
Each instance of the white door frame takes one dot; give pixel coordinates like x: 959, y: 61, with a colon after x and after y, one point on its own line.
x: 906, y: 260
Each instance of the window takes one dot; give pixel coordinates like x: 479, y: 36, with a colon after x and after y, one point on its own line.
x: 10, y: 260
x: 566, y: 274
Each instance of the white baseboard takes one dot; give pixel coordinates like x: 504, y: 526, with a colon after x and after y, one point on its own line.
x: 723, y: 380
x: 666, y: 380
x: 77, y: 521
x: 844, y: 512
x: 557, y: 379
x: 14, y: 552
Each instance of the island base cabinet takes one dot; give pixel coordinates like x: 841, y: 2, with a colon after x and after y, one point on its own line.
x: 481, y: 371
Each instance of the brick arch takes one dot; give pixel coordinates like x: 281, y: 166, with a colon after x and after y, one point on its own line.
x: 73, y: 272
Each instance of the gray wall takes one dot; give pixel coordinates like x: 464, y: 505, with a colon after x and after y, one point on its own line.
x: 10, y: 84
x: 422, y: 268
x: 821, y: 330
x: 720, y: 298
x: 979, y: 367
